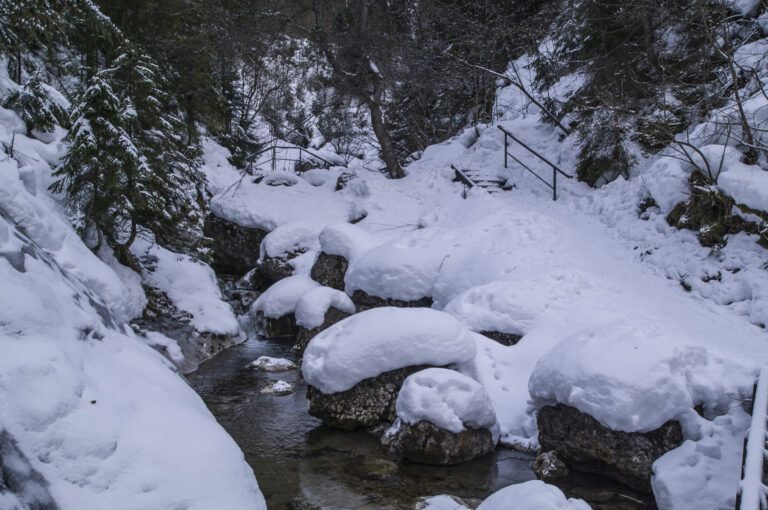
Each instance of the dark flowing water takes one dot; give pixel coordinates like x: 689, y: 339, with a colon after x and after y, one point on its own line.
x: 295, y: 457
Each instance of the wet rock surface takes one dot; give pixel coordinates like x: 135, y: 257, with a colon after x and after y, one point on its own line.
x: 304, y: 335
x: 364, y: 301
x: 162, y: 316
x: 366, y: 404
x: 548, y: 467
x: 583, y: 444
x: 281, y: 327
x: 329, y: 270
x: 426, y: 443
x: 235, y: 248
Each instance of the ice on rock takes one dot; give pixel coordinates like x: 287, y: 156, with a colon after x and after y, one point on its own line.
x: 445, y: 398
x: 532, y: 495
x: 346, y: 240
x: 313, y: 305
x: 270, y: 364
x: 281, y: 298
x: 381, y: 340
x: 630, y: 378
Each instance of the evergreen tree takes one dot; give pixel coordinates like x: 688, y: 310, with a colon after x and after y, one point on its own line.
x: 36, y: 107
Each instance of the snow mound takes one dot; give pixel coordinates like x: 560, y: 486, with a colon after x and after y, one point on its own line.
x: 532, y: 495
x: 313, y: 305
x: 445, y: 398
x: 299, y: 236
x: 346, y: 240
x: 405, y: 268
x: 267, y: 207
x: 384, y: 339
x: 269, y: 364
x: 190, y: 284
x: 630, y: 378
x: 281, y: 298
x: 747, y: 185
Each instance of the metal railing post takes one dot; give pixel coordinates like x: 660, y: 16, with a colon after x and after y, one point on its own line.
x: 554, y: 185
x: 506, y: 150
x: 274, y: 157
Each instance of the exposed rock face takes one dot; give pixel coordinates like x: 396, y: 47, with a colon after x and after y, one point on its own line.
x: 303, y: 336
x: 282, y: 327
x: 585, y: 445
x: 548, y: 467
x: 344, y: 179
x: 235, y: 248
x: 502, y: 338
x: 19, y: 482
x: 162, y: 316
x: 277, y: 268
x: 427, y: 443
x: 366, y: 404
x: 364, y: 301
x: 329, y: 271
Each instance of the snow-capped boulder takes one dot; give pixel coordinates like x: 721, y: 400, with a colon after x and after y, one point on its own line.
x: 274, y: 310
x: 532, y: 495
x: 611, y: 398
x: 235, y: 248
x: 355, y: 368
x: 270, y: 364
x: 587, y: 446
x: 281, y: 248
x: 317, y: 310
x: 401, y: 272
x: 340, y: 244
x: 443, y: 417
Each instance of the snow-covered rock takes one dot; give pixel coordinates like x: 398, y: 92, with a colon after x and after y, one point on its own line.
x: 281, y: 298
x: 270, y: 364
x: 384, y: 339
x: 278, y: 388
x: 441, y: 502
x: 346, y: 240
x: 313, y: 305
x: 533, y: 495
x: 445, y: 398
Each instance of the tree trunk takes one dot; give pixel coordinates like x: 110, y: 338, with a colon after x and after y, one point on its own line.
x: 385, y: 141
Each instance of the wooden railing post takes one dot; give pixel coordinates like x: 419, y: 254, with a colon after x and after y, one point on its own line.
x: 506, y: 149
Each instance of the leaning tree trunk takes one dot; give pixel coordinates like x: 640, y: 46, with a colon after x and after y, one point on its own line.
x: 385, y: 141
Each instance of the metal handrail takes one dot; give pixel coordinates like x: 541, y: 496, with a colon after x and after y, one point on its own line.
x: 555, y: 169
x: 251, y: 158
x: 751, y: 495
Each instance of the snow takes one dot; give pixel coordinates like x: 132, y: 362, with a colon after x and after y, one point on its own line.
x: 281, y: 298
x: 752, y: 489
x: 629, y: 377
x: 315, y: 303
x: 299, y: 236
x: 441, y: 502
x: 99, y: 414
x: 381, y: 340
x: 346, y: 240
x: 445, y: 398
x: 190, y: 284
x: 278, y: 388
x: 532, y: 495
x: 269, y: 364
x: 747, y: 185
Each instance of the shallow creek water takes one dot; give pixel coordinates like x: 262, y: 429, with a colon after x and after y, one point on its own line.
x: 295, y: 457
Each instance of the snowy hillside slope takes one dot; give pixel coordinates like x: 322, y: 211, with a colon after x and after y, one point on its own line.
x: 570, y: 276
x: 101, y: 419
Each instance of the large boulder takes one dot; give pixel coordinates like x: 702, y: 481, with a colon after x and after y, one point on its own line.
x: 355, y: 368
x: 443, y: 417
x: 317, y: 310
x: 329, y: 270
x: 274, y: 310
x: 235, y: 248
x: 426, y: 443
x: 368, y: 403
x: 585, y: 445
x: 277, y: 268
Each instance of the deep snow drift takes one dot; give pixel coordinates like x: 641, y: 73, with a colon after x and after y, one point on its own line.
x: 97, y: 418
